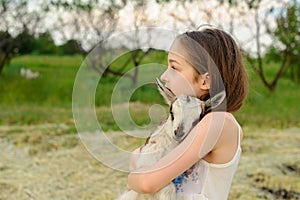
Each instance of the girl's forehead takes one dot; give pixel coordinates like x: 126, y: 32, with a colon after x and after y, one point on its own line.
x: 174, y: 57
x: 181, y: 46
x: 192, y: 52
x: 178, y: 59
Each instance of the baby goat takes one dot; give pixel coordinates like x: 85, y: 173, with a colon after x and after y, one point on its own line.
x: 185, y: 113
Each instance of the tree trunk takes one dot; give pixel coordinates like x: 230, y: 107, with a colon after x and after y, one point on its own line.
x: 135, y: 75
x: 1, y: 69
x: 3, y: 61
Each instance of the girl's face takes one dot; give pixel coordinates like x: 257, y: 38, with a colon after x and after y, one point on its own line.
x: 180, y: 77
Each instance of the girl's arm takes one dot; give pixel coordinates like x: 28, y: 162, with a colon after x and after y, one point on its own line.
x: 188, y: 152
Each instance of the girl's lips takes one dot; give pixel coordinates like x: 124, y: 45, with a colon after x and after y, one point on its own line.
x: 163, y: 87
x: 169, y: 90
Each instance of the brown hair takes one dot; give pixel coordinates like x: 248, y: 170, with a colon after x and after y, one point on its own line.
x: 226, y: 55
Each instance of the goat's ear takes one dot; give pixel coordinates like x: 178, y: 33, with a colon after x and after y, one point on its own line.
x: 165, y: 92
x: 216, y: 100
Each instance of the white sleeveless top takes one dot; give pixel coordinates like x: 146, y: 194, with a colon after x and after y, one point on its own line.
x: 208, y: 181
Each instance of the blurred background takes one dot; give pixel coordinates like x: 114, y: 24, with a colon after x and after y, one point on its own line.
x: 43, y: 44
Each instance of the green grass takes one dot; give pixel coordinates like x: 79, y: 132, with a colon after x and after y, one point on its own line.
x: 48, y: 99
x: 278, y: 109
x: 52, y: 88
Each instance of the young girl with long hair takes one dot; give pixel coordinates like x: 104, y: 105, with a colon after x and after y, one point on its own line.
x: 202, y: 64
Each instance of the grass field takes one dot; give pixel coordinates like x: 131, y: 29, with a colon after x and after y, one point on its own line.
x: 41, y: 156
x: 49, y: 98
x: 43, y: 162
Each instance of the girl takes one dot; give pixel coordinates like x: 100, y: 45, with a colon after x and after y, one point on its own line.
x: 201, y: 63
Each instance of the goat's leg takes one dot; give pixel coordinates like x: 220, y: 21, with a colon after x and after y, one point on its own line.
x: 129, y: 195
x: 166, y: 193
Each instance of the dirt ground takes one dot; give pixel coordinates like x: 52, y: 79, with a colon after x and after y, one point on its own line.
x: 42, y: 162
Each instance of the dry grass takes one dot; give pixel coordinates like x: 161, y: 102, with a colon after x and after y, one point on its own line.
x: 37, y: 162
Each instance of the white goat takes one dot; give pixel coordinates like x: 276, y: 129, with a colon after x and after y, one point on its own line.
x: 28, y: 74
x: 185, y: 113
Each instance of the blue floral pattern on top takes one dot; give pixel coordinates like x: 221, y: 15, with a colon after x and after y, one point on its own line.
x: 179, y: 179
x: 182, y: 178
x: 178, y: 182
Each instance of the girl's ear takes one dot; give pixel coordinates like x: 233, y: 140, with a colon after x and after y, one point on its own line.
x: 205, y: 81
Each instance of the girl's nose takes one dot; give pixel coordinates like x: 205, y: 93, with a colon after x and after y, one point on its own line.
x: 164, y: 77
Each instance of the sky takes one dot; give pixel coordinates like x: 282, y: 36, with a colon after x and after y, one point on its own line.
x: 201, y: 12
x: 178, y: 19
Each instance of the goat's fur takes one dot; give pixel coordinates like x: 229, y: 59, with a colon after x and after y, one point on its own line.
x: 185, y: 113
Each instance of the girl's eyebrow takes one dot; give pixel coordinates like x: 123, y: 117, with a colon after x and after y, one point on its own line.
x: 175, y: 61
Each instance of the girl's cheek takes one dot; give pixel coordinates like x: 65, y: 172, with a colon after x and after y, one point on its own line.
x: 182, y: 87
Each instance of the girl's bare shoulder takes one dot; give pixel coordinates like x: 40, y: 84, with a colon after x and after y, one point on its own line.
x: 227, y: 143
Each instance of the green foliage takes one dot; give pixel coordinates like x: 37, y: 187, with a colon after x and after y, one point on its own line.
x: 272, y: 55
x: 288, y: 35
x: 44, y: 45
x: 288, y: 26
x: 71, y: 47
x: 26, y: 43
x: 9, y: 45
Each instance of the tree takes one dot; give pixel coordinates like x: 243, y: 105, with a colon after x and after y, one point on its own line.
x: 257, y: 61
x: 88, y: 22
x: 43, y: 44
x: 6, y: 48
x: 286, y: 38
x: 135, y: 54
x: 17, y: 24
x: 79, y: 20
x: 71, y: 47
x: 248, y: 14
x: 193, y: 14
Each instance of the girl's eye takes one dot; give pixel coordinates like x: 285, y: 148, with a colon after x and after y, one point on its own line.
x: 173, y: 67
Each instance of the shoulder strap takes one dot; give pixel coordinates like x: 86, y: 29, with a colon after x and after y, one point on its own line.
x: 239, y: 134
x: 239, y: 129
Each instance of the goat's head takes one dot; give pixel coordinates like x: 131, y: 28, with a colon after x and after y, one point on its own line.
x: 168, y: 95
x: 186, y: 111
